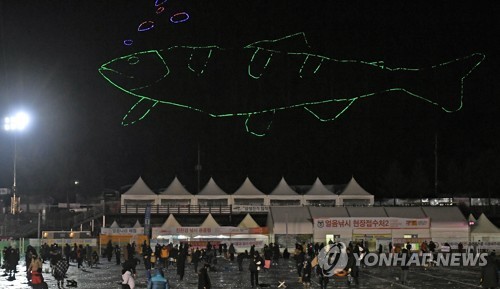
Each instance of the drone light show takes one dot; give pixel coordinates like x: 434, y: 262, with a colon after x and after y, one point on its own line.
x: 324, y: 87
x: 147, y: 25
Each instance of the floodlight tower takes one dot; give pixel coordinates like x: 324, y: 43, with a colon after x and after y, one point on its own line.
x: 16, y: 123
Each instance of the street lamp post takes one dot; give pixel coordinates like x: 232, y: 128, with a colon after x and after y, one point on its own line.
x: 18, y: 122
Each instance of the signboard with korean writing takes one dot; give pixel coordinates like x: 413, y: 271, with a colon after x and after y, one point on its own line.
x: 371, y: 223
x: 207, y: 231
x: 122, y: 231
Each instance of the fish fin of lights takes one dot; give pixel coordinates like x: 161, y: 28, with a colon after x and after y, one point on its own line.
x: 311, y: 66
x: 258, y: 124
x: 335, y: 107
x: 199, y: 53
x: 252, y: 66
x: 143, y: 107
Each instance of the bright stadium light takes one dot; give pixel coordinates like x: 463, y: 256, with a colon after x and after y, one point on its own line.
x: 15, y: 123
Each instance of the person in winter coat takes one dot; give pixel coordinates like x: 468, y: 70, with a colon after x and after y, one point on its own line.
x: 37, y: 281
x: 301, y: 257
x: 231, y: 251
x: 405, y: 268
x: 60, y: 268
x: 322, y: 279
x: 254, y: 267
x: 196, y: 259
x: 203, y: 278
x: 118, y: 253
x: 352, y: 266
x: 158, y: 281
x: 128, y: 281
x: 181, y: 264
x: 240, y: 258
x: 489, y: 272
x: 306, y: 274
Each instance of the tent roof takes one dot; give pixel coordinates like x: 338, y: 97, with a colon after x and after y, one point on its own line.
x: 210, y: 222
x: 444, y: 214
x: 471, y: 218
x: 171, y: 221
x: 137, y: 224
x: 328, y: 212
x: 353, y: 188
x: 176, y: 188
x: 283, y: 189
x: 139, y: 188
x: 318, y: 189
x: 211, y: 188
x: 248, y: 222
x: 405, y: 212
x: 366, y: 212
x: 484, y: 225
x: 248, y: 189
x: 114, y: 225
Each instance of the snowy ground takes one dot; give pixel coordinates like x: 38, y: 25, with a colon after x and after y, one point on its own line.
x: 107, y: 275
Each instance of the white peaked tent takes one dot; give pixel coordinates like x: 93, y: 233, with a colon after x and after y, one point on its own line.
x: 283, y: 195
x: 209, y: 222
x: 171, y: 222
x: 212, y: 195
x: 137, y: 224
x: 138, y: 194
x: 354, y: 194
x: 176, y: 194
x: 114, y: 225
x: 484, y: 230
x: 319, y: 195
x: 248, y: 222
x: 248, y: 194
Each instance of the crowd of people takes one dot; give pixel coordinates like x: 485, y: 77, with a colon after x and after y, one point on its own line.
x: 156, y: 260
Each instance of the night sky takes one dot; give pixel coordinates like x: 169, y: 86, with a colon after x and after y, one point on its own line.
x: 50, y: 54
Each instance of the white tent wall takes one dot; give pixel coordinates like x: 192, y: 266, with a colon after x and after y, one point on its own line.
x: 448, y: 225
x: 250, y: 200
x: 345, y: 200
x: 332, y: 200
x: 485, y: 237
x: 421, y: 233
x: 295, y: 221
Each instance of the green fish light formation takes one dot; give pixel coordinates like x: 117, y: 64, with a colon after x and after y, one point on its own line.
x: 261, y: 79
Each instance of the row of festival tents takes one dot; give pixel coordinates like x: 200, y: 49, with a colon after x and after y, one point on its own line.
x: 211, y: 191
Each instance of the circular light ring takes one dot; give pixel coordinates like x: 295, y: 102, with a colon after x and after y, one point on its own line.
x: 186, y: 17
x: 160, y: 2
x: 146, y: 25
x: 128, y: 42
x: 133, y: 60
x: 160, y: 10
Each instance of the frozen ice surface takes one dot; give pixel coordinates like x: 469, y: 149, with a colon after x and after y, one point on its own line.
x: 107, y: 275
